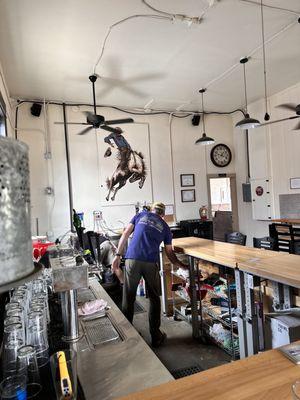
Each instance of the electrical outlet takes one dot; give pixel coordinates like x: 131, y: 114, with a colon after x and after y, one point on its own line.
x: 49, y: 191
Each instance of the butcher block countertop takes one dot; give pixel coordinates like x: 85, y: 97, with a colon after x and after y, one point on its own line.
x: 277, y: 266
x: 287, y: 221
x: 266, y: 376
x: 226, y: 254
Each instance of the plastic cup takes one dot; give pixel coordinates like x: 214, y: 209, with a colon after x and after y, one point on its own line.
x: 64, y: 374
x: 13, y: 388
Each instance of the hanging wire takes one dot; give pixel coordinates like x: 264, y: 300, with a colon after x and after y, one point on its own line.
x: 267, y: 116
x: 203, y: 117
x: 245, y: 87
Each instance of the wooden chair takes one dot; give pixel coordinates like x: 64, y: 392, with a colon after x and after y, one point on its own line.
x: 266, y: 242
x: 236, y: 238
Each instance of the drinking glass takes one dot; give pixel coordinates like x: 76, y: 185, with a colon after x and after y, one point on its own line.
x: 12, y: 319
x: 27, y: 365
x: 13, y: 388
x: 11, y: 305
x: 64, y: 374
x: 13, y: 339
x: 36, y: 335
x: 38, y: 286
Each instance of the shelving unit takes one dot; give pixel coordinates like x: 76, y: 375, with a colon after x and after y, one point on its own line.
x: 204, y: 315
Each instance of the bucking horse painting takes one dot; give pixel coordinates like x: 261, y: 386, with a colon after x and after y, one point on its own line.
x: 131, y: 165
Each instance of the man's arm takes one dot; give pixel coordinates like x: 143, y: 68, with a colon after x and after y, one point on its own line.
x: 122, y: 242
x: 172, y: 257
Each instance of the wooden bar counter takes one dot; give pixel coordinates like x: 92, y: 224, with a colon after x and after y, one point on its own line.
x: 266, y: 376
x: 226, y: 254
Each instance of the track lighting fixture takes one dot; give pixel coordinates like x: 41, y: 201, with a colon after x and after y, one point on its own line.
x: 247, y: 122
x: 204, y: 140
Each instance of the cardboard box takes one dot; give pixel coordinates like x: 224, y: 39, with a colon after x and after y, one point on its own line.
x: 281, y: 330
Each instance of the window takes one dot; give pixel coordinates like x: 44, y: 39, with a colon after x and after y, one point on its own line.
x: 2, y: 117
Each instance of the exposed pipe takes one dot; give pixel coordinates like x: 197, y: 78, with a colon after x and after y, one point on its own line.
x: 70, y: 189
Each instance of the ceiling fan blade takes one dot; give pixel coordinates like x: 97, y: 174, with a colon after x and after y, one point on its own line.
x: 85, y: 130
x: 72, y: 123
x: 288, y: 106
x: 297, y: 127
x: 278, y: 120
x: 119, y: 121
x: 109, y: 129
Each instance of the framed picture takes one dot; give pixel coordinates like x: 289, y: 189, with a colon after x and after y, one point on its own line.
x: 187, y: 180
x: 188, y: 195
x: 295, y: 183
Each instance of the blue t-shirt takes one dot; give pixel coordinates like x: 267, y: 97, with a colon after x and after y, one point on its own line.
x: 149, y: 231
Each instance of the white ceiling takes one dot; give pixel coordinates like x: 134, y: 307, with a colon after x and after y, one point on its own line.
x: 49, y: 48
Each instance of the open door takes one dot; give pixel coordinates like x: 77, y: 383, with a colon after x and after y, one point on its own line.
x: 222, y: 199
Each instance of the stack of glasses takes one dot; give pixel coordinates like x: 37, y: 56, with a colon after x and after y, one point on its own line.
x: 25, y: 343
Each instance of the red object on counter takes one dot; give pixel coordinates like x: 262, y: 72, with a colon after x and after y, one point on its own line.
x: 39, y: 247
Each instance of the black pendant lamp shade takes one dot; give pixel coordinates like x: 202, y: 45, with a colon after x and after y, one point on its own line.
x: 247, y: 122
x: 204, y: 140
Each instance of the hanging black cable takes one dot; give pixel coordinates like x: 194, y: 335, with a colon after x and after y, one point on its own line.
x: 267, y: 116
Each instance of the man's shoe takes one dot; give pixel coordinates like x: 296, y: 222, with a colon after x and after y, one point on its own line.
x: 160, y: 341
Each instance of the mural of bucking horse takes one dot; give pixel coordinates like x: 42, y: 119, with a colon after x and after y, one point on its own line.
x: 131, y: 165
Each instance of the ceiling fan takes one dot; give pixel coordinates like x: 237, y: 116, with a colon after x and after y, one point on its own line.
x: 290, y: 107
x: 95, y: 121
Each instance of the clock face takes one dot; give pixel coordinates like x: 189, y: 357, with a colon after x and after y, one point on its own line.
x: 220, y: 155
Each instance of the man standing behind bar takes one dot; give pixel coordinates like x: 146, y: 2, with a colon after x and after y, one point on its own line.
x: 142, y: 256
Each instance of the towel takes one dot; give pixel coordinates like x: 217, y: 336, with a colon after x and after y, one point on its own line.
x: 91, y: 307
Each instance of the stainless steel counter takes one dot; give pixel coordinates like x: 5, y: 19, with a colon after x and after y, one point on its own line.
x: 119, y: 367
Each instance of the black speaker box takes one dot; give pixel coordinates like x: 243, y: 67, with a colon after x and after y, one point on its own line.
x: 196, y: 119
x: 36, y: 109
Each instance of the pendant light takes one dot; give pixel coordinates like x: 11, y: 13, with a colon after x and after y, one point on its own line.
x: 204, y: 140
x: 247, y: 122
x: 267, y: 116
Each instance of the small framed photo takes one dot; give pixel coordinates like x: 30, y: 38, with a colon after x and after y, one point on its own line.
x: 188, y: 195
x: 295, y: 183
x: 187, y: 180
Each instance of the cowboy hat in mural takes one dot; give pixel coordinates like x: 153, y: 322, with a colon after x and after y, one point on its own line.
x: 131, y: 165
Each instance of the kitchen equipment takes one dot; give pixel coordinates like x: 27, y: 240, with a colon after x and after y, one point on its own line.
x: 67, y: 277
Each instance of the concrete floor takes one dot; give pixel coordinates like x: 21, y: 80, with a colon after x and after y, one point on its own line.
x: 179, y: 350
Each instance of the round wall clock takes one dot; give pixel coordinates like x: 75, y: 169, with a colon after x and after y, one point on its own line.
x: 220, y: 155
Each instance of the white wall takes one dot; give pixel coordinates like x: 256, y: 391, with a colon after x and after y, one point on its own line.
x: 274, y: 153
x: 52, y: 211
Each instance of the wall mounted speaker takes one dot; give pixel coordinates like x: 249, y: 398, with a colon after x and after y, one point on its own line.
x: 36, y: 109
x: 196, y: 119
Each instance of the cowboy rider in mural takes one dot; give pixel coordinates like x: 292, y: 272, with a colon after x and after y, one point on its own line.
x: 122, y: 145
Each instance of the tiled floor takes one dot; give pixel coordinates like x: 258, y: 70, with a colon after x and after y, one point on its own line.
x: 179, y: 350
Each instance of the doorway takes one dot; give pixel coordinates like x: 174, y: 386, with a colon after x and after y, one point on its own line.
x: 222, y: 200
